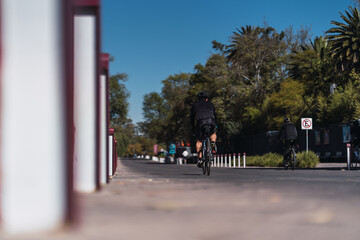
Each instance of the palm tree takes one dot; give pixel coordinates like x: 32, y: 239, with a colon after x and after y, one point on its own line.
x: 345, y: 40
x: 313, y: 65
x: 254, y: 54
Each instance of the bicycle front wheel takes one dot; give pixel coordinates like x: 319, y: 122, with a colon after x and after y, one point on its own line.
x: 204, y: 167
x: 208, y: 165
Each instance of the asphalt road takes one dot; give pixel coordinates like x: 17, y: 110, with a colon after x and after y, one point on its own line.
x: 149, y: 200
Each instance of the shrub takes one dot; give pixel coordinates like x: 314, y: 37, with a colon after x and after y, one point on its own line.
x: 307, y: 160
x: 266, y: 160
x: 303, y: 160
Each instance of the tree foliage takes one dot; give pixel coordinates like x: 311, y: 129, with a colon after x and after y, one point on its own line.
x: 345, y: 40
x: 259, y: 77
x: 118, y: 97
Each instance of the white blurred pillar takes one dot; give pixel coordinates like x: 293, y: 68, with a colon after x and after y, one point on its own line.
x: 36, y: 128
x: 104, y: 122
x: 86, y: 95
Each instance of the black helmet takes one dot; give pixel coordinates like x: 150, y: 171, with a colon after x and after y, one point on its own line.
x: 286, y: 119
x: 202, y: 95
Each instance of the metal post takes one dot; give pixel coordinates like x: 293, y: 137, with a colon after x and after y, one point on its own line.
x: 244, y: 160
x: 239, y: 160
x: 225, y: 160
x: 348, y: 146
x: 222, y: 161
x: 307, y: 140
x: 234, y: 155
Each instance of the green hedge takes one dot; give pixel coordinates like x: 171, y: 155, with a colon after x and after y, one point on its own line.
x: 266, y: 160
x: 307, y: 160
x: 303, y: 160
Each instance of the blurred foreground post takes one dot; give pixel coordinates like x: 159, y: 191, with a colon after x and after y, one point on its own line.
x: 86, y: 95
x: 36, y: 114
x: 111, y: 151
x: 104, y: 121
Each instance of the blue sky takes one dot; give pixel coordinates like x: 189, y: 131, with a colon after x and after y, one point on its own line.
x: 151, y: 40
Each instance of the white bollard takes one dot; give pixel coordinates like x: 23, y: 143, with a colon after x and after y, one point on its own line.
x: 222, y: 161
x: 229, y: 160
x: 348, y: 147
x: 234, y: 164
x: 239, y: 160
x: 225, y: 160
x: 244, y: 159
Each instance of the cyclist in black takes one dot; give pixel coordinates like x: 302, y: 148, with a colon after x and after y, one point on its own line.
x: 288, y: 132
x: 203, y: 111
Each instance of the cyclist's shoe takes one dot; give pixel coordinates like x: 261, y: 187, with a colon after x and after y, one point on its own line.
x: 286, y: 164
x: 213, y: 147
x: 199, y: 163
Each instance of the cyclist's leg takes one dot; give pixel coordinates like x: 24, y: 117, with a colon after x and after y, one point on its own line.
x: 213, y: 140
x: 198, y: 148
x: 286, y: 151
x: 213, y: 137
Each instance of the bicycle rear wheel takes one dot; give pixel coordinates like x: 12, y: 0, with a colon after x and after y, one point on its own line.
x: 292, y: 159
x: 286, y: 161
x: 208, y: 157
x: 354, y: 163
x: 204, y: 156
x: 204, y: 167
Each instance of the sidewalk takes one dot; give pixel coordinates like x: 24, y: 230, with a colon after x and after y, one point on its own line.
x: 332, y: 165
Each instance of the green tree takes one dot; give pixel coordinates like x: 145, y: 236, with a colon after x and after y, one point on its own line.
x: 345, y: 40
x: 175, y: 91
x: 155, y: 111
x: 118, y: 97
x: 288, y: 101
x: 313, y: 66
x: 214, y: 78
x: 255, y: 56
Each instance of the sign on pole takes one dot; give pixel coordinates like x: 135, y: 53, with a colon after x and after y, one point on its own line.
x: 306, y: 124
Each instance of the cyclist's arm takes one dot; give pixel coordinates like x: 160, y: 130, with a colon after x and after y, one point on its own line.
x: 214, y: 112
x: 280, y: 134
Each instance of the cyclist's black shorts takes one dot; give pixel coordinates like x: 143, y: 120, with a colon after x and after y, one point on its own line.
x: 199, y: 132
x: 289, y: 143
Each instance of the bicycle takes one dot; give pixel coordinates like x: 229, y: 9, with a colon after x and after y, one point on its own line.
x: 206, y: 151
x: 290, y: 157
